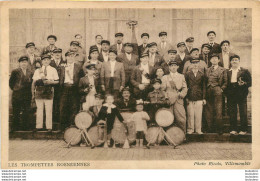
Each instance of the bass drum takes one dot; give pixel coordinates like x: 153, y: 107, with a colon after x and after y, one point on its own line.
x: 164, y: 117
x: 72, y: 135
x: 176, y: 134
x: 94, y: 135
x: 83, y: 120
x: 118, y: 133
x: 152, y: 135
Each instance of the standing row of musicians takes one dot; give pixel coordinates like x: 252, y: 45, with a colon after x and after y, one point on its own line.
x: 58, y: 86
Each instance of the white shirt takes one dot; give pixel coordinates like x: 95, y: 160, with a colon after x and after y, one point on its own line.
x: 52, y: 73
x: 92, y: 82
x: 151, y: 59
x: 225, y: 59
x: 128, y: 56
x: 105, y: 56
x: 215, y: 67
x: 234, y: 74
x: 69, y: 71
x: 163, y: 45
x: 31, y: 57
x: 119, y: 47
x: 145, y: 70
x: 182, y: 55
x: 211, y: 43
x: 112, y: 64
x: 195, y: 72
x: 57, y: 62
x: 173, y: 74
x: 99, y: 47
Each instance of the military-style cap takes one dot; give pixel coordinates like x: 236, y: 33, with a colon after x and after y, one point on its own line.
x: 90, y: 66
x: 156, y: 81
x: 105, y: 41
x: 172, y: 51
x: 214, y: 55
x: 211, y: 32
x: 93, y: 49
x: 145, y: 34
x: 194, y: 60
x: 112, y: 50
x: 173, y: 62
x: 23, y: 58
x: 190, y: 39
x: 129, y: 44
x: 119, y: 34
x: 180, y: 44
x: 206, y: 45
x: 52, y: 36
x: 100, y: 96
x: 29, y: 45
x: 46, y: 56
x: 224, y: 41
x: 234, y: 56
x: 140, y: 102
x: 57, y: 50
x: 144, y: 55
x: 152, y: 44
x: 126, y: 89
x: 74, y: 43
x: 162, y: 33
x: 194, y: 49
x: 69, y: 52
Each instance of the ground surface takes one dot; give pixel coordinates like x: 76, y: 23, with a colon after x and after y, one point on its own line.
x: 53, y: 150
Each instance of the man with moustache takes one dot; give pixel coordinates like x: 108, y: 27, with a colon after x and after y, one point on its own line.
x: 225, y: 54
x: 189, y: 45
x: 205, y: 50
x: 103, y: 55
x: 143, y: 48
x: 119, y: 43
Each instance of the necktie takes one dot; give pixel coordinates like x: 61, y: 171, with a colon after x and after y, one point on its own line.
x: 206, y: 57
x: 211, y: 44
x: 45, y: 71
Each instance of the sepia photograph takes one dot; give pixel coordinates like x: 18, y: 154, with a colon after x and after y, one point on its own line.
x: 139, y: 84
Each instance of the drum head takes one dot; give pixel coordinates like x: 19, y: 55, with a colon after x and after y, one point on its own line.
x: 83, y: 120
x: 175, y: 134
x: 118, y: 132
x: 93, y: 135
x: 72, y: 135
x: 152, y: 135
x: 164, y: 117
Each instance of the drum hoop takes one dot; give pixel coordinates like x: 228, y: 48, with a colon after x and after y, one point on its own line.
x: 72, y: 126
x: 166, y: 109
x: 81, y: 112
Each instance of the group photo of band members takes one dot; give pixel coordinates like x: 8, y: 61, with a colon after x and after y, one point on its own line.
x: 194, y: 84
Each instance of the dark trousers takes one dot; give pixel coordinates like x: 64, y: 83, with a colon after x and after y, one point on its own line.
x: 21, y: 107
x: 213, y: 109
x: 69, y: 106
x: 111, y: 89
x: 241, y: 102
x: 56, y: 104
x: 142, y: 94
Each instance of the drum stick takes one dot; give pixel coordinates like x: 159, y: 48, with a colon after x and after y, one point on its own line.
x: 92, y: 144
x: 154, y: 138
x: 174, y: 144
x: 82, y: 132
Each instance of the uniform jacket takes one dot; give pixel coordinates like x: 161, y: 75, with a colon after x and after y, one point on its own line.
x: 182, y: 62
x: 206, y: 60
x: 20, y: 83
x: 222, y: 77
x: 157, y: 96
x: 48, y: 49
x: 119, y: 75
x: 221, y: 59
x: 141, y: 49
x: 98, y: 67
x: 77, y: 74
x: 129, y: 65
x: 95, y: 46
x: 32, y: 66
x: 187, y: 52
x: 130, y: 106
x: 114, y: 47
x: 240, y: 91
x: 158, y: 60
x: 196, y: 85
x: 53, y: 64
x: 202, y: 66
x: 215, y: 49
x: 163, y: 52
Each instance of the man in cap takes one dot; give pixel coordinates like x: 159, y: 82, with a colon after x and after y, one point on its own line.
x: 225, y: 54
x: 112, y: 75
x: 20, y: 83
x: 182, y: 58
x: 215, y: 47
x: 196, y: 83
x: 201, y: 64
x: 79, y: 56
x: 205, y: 50
x: 143, y: 48
x: 171, y: 57
x: 126, y: 101
x: 42, y: 91
x: 103, y: 55
x: 119, y: 43
x: 129, y: 60
x: 141, y: 76
x: 176, y: 89
x: 79, y: 38
x: 216, y: 84
x: 32, y: 55
x: 239, y: 80
x: 98, y: 39
x: 189, y: 45
x: 164, y: 45
x: 154, y: 58
x: 49, y: 49
x: 69, y: 79
x: 57, y: 59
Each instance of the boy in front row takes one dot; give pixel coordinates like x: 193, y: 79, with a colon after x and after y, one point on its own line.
x: 196, y: 83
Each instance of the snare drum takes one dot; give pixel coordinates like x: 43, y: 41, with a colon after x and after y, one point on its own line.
x: 152, y: 135
x: 176, y: 134
x: 72, y: 135
x: 118, y: 133
x: 83, y: 120
x: 164, y: 117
